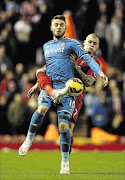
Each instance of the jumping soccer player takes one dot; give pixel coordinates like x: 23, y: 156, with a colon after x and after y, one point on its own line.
x: 91, y: 44
x: 59, y: 68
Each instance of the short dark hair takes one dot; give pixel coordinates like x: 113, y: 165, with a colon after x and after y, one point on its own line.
x: 59, y: 17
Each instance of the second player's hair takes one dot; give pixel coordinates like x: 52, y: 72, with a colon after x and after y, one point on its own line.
x: 94, y: 36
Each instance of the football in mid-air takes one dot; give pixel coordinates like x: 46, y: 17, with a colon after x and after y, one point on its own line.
x: 76, y: 86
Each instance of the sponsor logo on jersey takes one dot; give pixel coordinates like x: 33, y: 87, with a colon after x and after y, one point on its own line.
x: 61, y: 50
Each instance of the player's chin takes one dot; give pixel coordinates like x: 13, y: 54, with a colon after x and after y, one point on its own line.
x: 91, y: 50
x: 58, y: 36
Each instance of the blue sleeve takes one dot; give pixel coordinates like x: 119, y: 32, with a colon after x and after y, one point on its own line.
x: 43, y: 48
x: 82, y: 54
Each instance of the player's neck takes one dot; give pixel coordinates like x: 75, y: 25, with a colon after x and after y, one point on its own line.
x: 56, y: 39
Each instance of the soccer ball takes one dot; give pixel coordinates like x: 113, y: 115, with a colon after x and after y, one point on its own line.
x: 76, y: 86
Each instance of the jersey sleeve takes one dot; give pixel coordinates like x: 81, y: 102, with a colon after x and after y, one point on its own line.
x: 82, y: 54
x: 43, y: 48
x: 92, y: 74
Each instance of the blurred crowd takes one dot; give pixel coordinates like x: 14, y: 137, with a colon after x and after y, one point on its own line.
x: 25, y: 27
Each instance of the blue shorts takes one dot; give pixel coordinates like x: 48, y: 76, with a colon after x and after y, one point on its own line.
x: 67, y: 104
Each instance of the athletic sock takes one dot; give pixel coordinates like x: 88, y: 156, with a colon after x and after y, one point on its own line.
x: 35, y: 124
x: 65, y: 140
x: 65, y: 156
x: 70, y: 147
x: 30, y: 136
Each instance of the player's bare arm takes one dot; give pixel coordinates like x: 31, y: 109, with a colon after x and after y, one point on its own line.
x: 33, y: 91
x: 87, y: 80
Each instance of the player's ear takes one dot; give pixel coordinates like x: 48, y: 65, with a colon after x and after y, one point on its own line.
x: 65, y: 27
x: 84, y: 42
x: 51, y: 27
x: 98, y: 46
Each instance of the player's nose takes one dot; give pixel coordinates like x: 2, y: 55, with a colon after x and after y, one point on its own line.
x: 59, y: 26
x: 92, y: 44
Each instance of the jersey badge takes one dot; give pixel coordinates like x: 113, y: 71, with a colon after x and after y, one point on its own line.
x: 63, y: 44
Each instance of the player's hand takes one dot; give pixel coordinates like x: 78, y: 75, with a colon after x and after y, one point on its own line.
x: 33, y: 91
x: 74, y: 58
x: 104, y: 78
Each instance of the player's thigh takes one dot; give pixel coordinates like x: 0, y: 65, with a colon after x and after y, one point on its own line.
x: 78, y: 106
x: 65, y: 110
x: 67, y: 105
x: 44, y: 100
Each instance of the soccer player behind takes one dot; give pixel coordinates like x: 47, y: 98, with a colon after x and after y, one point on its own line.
x: 86, y: 74
x: 59, y: 68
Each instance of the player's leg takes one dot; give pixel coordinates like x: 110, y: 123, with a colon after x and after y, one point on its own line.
x: 65, y: 110
x: 44, y: 82
x: 44, y: 104
x: 78, y: 106
x: 64, y: 141
x: 71, y: 128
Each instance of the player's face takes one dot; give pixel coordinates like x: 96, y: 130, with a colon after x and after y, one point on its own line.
x: 91, y: 44
x: 58, y: 28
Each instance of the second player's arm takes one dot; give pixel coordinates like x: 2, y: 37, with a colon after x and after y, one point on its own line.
x: 82, y: 54
x: 35, y: 88
x: 33, y: 91
x: 87, y: 80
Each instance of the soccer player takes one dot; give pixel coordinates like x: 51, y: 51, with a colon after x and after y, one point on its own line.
x: 83, y: 71
x: 59, y: 68
x: 86, y: 74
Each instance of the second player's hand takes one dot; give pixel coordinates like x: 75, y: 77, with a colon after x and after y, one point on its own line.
x: 33, y: 91
x: 104, y: 78
x: 74, y: 58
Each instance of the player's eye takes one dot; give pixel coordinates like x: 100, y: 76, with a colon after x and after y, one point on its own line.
x: 61, y: 24
x: 94, y: 43
x: 90, y: 41
x: 56, y: 24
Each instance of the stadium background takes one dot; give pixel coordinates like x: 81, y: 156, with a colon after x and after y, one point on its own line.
x: 24, y: 28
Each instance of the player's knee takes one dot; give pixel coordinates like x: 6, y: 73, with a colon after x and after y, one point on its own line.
x: 42, y: 110
x: 71, y: 132
x: 63, y: 126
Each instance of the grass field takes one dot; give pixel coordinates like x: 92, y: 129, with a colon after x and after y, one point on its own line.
x: 45, y: 165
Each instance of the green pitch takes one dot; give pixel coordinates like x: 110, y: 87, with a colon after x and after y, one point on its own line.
x: 41, y: 165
